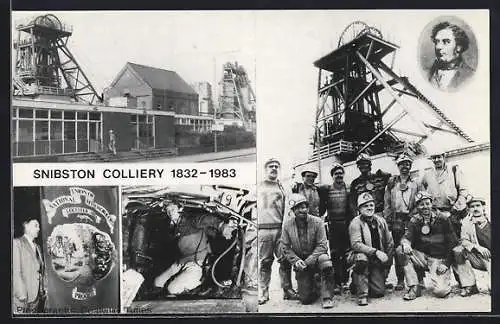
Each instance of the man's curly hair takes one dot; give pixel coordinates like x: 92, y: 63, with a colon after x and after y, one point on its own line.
x: 461, y: 38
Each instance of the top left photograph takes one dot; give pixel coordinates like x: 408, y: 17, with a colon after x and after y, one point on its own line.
x: 133, y: 86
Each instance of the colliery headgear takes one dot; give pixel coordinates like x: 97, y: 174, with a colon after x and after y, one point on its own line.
x: 470, y: 199
x: 297, y: 199
x: 404, y: 157
x: 335, y: 167
x: 311, y: 170
x: 364, y: 198
x: 421, y: 195
x: 363, y: 158
x: 272, y: 160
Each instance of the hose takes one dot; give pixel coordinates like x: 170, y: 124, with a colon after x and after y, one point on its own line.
x: 218, y: 259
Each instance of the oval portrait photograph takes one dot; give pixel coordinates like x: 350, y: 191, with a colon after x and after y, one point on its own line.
x: 448, y: 53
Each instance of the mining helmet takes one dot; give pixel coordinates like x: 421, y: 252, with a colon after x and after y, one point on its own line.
x: 435, y: 152
x: 272, y: 160
x: 335, y: 167
x: 470, y: 199
x: 310, y: 169
x: 421, y: 195
x: 364, y: 198
x: 404, y: 157
x: 363, y: 158
x: 297, y: 199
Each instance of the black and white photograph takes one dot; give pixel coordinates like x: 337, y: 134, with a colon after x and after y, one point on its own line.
x: 189, y: 249
x: 448, y: 53
x: 65, y: 250
x: 112, y: 86
x: 373, y: 186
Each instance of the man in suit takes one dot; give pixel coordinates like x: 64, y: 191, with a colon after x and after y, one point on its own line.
x: 372, y: 251
x: 29, y: 281
x: 305, y: 246
x: 449, y: 70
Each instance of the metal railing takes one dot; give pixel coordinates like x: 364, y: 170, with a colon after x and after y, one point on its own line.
x: 332, y: 149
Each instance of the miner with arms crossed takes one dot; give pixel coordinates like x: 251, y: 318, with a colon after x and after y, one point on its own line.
x: 334, y: 200
x: 372, y: 251
x: 475, y: 239
x: 374, y: 183
x: 271, y: 209
x: 428, y: 245
x: 309, y: 190
x: 399, y: 201
x: 306, y: 247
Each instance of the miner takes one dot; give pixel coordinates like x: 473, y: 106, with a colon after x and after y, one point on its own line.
x: 306, y: 247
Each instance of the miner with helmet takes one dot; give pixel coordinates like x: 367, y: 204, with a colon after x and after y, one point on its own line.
x: 475, y: 245
x: 399, y: 201
x: 428, y: 246
x: 372, y: 251
x: 308, y: 189
x: 334, y: 200
x: 270, y: 211
x: 306, y: 247
x: 373, y: 183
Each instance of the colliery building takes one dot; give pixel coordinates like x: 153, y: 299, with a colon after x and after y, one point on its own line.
x: 56, y: 112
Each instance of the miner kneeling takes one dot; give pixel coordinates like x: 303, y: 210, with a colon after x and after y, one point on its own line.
x: 372, y: 251
x: 305, y: 246
x: 428, y: 245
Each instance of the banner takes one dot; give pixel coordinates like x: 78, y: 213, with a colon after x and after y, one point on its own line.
x: 81, y: 244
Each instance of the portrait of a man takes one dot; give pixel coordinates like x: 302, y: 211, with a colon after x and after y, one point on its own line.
x: 450, y: 69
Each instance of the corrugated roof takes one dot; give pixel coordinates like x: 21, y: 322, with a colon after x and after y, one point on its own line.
x: 161, y: 79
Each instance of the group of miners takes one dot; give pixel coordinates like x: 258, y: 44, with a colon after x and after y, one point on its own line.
x: 429, y: 223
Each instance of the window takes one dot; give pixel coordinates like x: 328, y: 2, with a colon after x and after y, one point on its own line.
x: 55, y: 130
x: 69, y: 115
x: 69, y: 130
x: 42, y: 130
x: 25, y: 130
x: 56, y: 114
x: 82, y: 130
x: 94, y: 116
x: 42, y: 114
x: 81, y: 115
x: 25, y: 113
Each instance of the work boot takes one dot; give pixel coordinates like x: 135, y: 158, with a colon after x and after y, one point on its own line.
x: 327, y: 303
x: 290, y: 294
x: 400, y: 285
x: 362, y: 301
x: 469, y: 291
x: 264, y: 298
x: 413, y: 293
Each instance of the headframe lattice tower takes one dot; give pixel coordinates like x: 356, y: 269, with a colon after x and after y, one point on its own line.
x: 237, y: 98
x: 45, y: 65
x: 349, y: 114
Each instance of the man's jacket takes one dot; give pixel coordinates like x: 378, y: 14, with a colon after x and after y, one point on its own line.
x: 317, y: 242
x: 361, y: 240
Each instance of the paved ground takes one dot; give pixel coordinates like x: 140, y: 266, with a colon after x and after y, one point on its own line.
x: 241, y: 155
x: 202, y: 306
x: 391, y: 303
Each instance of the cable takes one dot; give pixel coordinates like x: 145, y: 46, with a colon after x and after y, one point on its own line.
x: 218, y: 259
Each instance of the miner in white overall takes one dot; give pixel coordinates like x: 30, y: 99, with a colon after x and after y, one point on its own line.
x: 475, y: 244
x: 186, y: 273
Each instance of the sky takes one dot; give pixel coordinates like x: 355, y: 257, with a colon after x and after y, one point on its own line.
x: 278, y: 49
x: 194, y: 44
x: 288, y: 42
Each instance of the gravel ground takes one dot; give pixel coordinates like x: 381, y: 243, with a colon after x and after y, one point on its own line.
x: 391, y: 303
